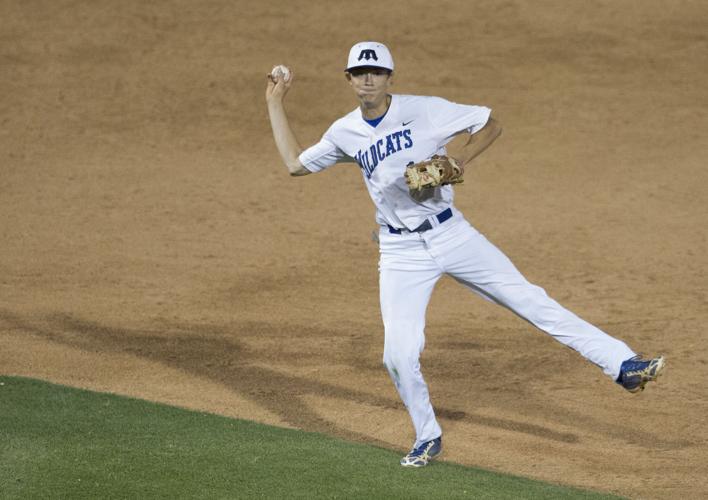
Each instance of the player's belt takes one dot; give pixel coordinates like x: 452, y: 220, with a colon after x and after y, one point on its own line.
x: 442, y: 217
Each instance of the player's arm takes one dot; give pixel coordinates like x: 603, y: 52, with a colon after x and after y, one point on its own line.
x: 288, y: 146
x: 479, y: 141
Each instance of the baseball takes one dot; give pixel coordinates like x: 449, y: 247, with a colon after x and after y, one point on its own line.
x: 280, y: 70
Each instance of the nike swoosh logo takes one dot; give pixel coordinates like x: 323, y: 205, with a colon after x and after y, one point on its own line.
x: 406, y: 123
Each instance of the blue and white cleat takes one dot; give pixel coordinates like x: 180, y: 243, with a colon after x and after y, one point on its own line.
x: 636, y: 372
x: 420, y: 456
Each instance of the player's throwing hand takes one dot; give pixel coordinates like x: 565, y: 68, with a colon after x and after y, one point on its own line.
x: 279, y: 81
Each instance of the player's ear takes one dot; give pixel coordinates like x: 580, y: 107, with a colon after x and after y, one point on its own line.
x: 348, y: 77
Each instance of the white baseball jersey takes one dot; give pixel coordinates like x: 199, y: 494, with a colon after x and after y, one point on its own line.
x: 413, y: 129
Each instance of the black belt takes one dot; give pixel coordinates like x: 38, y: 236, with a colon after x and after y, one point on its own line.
x: 442, y: 217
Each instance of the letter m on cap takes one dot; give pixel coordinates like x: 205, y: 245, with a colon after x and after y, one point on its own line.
x: 368, y: 54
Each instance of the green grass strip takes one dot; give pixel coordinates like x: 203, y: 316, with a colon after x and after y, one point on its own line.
x: 58, y: 442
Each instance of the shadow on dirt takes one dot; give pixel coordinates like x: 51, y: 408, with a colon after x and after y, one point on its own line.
x: 216, y: 353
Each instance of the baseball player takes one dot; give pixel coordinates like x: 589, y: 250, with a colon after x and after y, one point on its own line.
x: 398, y: 142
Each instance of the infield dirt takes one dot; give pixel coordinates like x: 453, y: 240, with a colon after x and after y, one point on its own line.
x: 154, y: 246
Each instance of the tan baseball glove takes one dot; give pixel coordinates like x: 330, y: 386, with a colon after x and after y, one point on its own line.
x: 437, y: 171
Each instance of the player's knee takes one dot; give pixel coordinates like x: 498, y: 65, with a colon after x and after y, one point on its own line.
x: 404, y: 333
x: 541, y: 311
x: 531, y: 302
x: 403, y: 344
x: 397, y: 360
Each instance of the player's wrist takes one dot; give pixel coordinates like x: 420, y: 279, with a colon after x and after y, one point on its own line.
x: 275, y: 102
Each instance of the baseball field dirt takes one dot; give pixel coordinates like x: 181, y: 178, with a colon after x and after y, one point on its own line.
x: 154, y: 246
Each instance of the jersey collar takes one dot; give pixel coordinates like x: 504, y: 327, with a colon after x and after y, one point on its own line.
x: 372, y: 124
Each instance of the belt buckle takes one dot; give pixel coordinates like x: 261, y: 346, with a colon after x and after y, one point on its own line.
x: 425, y: 226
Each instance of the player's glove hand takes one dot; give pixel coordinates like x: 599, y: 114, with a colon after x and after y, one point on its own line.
x: 437, y: 171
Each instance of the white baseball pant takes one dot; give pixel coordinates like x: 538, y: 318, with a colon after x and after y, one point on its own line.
x: 410, y: 265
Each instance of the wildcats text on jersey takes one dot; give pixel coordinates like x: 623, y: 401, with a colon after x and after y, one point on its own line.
x: 368, y: 159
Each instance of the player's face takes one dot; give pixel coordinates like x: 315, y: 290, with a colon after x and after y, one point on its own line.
x: 369, y: 84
